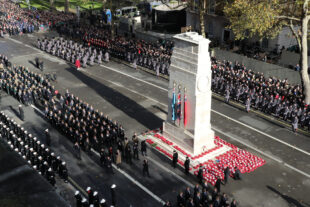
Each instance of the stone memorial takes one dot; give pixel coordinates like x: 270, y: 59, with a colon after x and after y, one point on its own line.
x: 189, y: 95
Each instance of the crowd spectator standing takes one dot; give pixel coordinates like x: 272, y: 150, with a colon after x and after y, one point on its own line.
x: 269, y: 95
x: 15, y: 20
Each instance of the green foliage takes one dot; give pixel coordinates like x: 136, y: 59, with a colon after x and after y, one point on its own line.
x: 259, y: 18
x: 59, y: 4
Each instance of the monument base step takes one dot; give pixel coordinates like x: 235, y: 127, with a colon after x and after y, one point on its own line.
x: 214, y: 160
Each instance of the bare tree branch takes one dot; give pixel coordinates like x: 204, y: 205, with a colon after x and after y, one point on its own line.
x: 298, y: 37
x: 288, y: 18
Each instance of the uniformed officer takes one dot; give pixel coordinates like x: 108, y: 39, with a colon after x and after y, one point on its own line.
x: 186, y: 165
x: 175, y: 158
x: 21, y: 112
x: 47, y: 138
x: 136, y: 150
x: 146, y: 168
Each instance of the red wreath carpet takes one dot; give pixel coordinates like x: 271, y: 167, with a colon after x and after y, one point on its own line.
x: 213, y: 160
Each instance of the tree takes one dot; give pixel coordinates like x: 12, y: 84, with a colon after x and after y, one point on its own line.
x: 52, y: 5
x: 67, y: 6
x: 266, y: 18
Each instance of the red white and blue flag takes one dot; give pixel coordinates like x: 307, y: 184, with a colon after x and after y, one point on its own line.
x: 185, y: 110
x: 179, y: 112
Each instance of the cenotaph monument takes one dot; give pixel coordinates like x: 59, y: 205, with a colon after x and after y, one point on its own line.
x: 189, y: 94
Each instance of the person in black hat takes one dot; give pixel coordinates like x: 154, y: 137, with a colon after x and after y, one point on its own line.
x: 47, y: 137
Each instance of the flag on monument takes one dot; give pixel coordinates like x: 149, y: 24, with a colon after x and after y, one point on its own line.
x: 173, y: 105
x: 185, y: 110
x: 179, y: 113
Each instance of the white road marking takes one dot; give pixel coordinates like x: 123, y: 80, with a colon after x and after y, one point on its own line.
x: 135, y: 181
x: 122, y: 86
x: 171, y: 172
x: 122, y: 172
x: 26, y: 55
x: 34, y: 107
x: 252, y: 128
x: 50, y: 57
x: 143, y: 81
x: 263, y: 133
x: 263, y: 153
x: 234, y: 120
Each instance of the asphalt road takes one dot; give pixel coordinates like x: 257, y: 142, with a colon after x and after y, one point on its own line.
x: 139, y: 101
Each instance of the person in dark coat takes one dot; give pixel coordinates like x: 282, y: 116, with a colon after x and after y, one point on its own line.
x: 218, y: 184
x: 77, y: 150
x: 175, y: 158
x: 143, y: 148
x: 47, y: 137
x: 226, y: 174
x: 21, y: 112
x: 186, y: 165
x: 146, y: 168
x: 237, y: 174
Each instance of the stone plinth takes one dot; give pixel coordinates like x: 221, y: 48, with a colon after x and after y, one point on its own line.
x: 191, y: 70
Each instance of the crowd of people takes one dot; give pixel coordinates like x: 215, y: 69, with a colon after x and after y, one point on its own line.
x: 203, y: 196
x: 26, y: 86
x: 269, y: 95
x: 93, y: 200
x: 15, y: 20
x: 155, y: 56
x: 31, y: 149
x: 73, y: 52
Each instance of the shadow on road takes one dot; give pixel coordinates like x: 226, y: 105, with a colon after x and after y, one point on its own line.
x: 120, y: 101
x: 291, y: 201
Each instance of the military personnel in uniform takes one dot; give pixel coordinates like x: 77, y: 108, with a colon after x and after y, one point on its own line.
x: 175, y: 159
x: 186, y: 165
x: 21, y: 112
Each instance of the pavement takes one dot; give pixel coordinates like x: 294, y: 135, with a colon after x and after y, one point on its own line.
x: 138, y: 100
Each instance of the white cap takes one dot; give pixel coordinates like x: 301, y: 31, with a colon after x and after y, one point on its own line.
x: 29, y: 162
x: 95, y: 193
x: 63, y: 163
x: 9, y: 142
x: 53, y: 154
x: 24, y: 156
x: 46, y: 130
x: 45, y: 163
x: 16, y: 149
x: 12, y: 146
x: 77, y: 192
x: 88, y: 188
x: 102, y: 201
x: 49, y: 169
x: 84, y: 200
x: 113, y: 186
x: 35, y: 167
x: 19, y: 105
x: 42, y: 145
